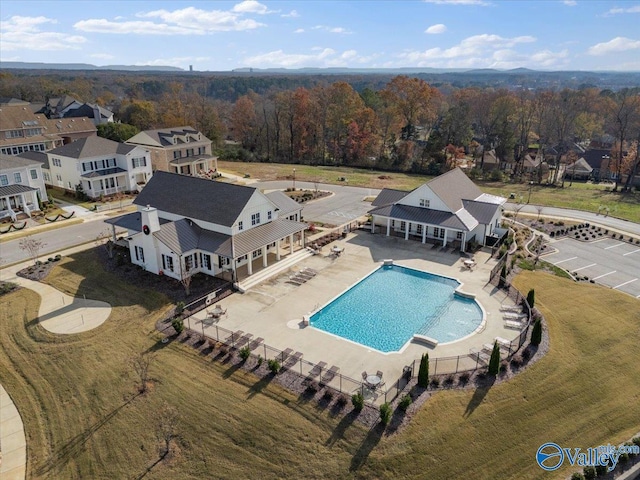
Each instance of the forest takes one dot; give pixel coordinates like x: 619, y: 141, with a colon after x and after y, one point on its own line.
x: 397, y: 123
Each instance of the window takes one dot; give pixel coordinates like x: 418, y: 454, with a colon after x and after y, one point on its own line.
x: 240, y: 225
x: 202, y: 150
x: 176, y: 154
x: 139, y: 254
x: 393, y: 224
x: 419, y: 229
x: 424, y: 202
x: 438, y: 232
x: 403, y: 226
x: 34, y: 174
x: 223, y: 261
x: 269, y: 215
x: 459, y: 235
x: 59, y: 177
x: 167, y: 262
x: 86, y: 166
x: 188, y: 262
x: 46, y: 176
x: 256, y: 254
x: 57, y: 162
x: 4, y: 181
x: 14, y: 134
x: 189, y: 152
x: 205, y: 260
x: 17, y: 177
x: 139, y: 162
x: 255, y: 218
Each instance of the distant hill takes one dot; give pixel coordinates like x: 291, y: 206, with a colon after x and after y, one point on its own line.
x: 87, y: 66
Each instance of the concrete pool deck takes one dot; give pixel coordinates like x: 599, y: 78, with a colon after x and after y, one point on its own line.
x: 273, y: 310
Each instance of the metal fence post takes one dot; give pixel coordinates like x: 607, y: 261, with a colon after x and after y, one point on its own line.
x: 340, y: 383
x: 435, y: 367
x: 457, y: 363
x: 264, y: 345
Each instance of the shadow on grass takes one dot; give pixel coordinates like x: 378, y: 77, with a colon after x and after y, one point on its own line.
x: 260, y: 385
x: 74, y: 447
x: 478, y: 396
x: 232, y: 369
x: 338, y: 432
x: 368, y: 444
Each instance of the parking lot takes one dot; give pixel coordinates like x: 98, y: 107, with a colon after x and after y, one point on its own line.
x: 608, y: 262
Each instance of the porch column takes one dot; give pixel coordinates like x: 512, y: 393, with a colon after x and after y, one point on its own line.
x: 388, y: 225
x: 264, y: 256
x: 278, y: 250
x: 444, y: 240
x: 250, y: 264
x: 291, y: 244
x: 463, y: 247
x: 424, y: 233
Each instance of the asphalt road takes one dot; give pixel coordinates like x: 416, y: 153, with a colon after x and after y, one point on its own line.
x: 607, y: 262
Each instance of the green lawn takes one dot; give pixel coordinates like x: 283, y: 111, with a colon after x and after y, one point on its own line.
x: 76, y: 397
x: 580, y: 196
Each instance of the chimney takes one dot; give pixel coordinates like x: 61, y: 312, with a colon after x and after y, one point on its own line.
x: 149, y: 218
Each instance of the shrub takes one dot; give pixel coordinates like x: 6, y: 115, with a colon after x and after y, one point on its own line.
x: 636, y: 441
x: 423, y: 372
x: 405, y: 402
x: 328, y: 395
x: 179, y: 308
x: 245, y: 353
x: 601, y: 470
x: 260, y: 360
x: 449, y: 380
x: 357, y: 400
x: 312, y: 387
x: 342, y: 400
x: 435, y: 383
x: 178, y: 325
x: 385, y: 413
x: 531, y: 297
x: 494, y: 361
x: 589, y: 472
x: 624, y: 457
x: 57, y: 257
x: 274, y: 365
x: 536, y: 332
x: 577, y: 476
x: 463, y: 378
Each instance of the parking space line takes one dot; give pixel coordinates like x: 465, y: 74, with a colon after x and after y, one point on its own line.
x: 625, y: 254
x: 614, y: 246
x: 625, y: 283
x: 582, y: 268
x: 565, y: 260
x: 605, y: 274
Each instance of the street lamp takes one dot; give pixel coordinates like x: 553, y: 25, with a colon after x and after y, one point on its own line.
x: 294, y: 179
x: 530, y: 187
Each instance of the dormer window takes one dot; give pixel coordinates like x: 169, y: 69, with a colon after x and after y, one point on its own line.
x: 424, y: 202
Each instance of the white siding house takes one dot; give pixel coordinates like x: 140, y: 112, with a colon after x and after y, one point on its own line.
x: 100, y: 166
x: 21, y: 186
x: 448, y: 210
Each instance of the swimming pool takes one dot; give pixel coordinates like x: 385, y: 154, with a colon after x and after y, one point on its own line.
x: 385, y: 309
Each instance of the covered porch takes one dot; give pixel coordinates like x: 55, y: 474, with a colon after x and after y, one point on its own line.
x: 195, y: 165
x: 431, y: 233
x: 105, y: 182
x: 16, y: 199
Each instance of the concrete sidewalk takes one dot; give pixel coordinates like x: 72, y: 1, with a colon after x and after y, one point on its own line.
x: 13, y: 445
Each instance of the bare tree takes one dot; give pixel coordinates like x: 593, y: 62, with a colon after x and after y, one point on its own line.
x: 105, y: 238
x: 168, y: 419
x: 32, y: 246
x: 140, y: 364
x: 517, y: 208
x: 539, y: 209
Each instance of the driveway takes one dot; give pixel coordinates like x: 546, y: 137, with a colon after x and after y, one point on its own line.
x: 608, y: 262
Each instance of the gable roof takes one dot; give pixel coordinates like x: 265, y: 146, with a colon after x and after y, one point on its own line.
x: 197, y: 198
x: 426, y: 215
x: 580, y: 166
x: 13, y: 161
x: 595, y: 156
x: 163, y: 137
x: 452, y: 187
x: 387, y: 196
x: 39, y: 157
x: 283, y: 202
x: 92, y: 146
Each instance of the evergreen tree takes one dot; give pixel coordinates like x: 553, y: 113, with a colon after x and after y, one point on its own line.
x: 494, y: 361
x: 423, y: 372
x: 531, y: 297
x: 536, y: 333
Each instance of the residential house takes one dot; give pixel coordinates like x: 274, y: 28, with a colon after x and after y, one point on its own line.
x: 99, y: 165
x: 185, y: 225
x: 178, y: 150
x: 21, y: 130
x: 448, y: 210
x: 21, y: 186
x: 600, y: 161
x: 68, y: 107
x: 578, y: 170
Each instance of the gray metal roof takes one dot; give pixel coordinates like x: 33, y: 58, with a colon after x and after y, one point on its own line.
x: 92, y: 146
x: 422, y: 215
x: 130, y: 221
x: 197, y: 198
x: 191, y: 159
x: 180, y: 236
x: 283, y: 202
x: 483, y: 212
x: 15, y: 189
x: 249, y: 240
x: 103, y: 173
x: 388, y: 196
x: 452, y: 187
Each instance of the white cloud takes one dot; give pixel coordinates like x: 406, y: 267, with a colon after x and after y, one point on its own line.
x: 437, y: 28
x: 24, y: 33
x: 482, y: 3
x: 250, y: 6
x: 320, y: 58
x: 570, y: 3
x: 291, y: 14
x: 616, y: 11
x: 299, y: 30
x: 186, y: 21
x: 618, y: 44
x: 325, y: 28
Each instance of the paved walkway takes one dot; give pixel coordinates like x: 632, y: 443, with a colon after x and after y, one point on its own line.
x: 59, y: 313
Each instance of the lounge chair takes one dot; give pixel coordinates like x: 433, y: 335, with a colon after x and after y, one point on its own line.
x: 310, y: 271
x: 330, y: 375
x: 293, y: 359
x: 514, y: 324
x: 255, y: 343
x: 514, y: 316
x: 285, y: 354
x: 246, y: 338
x: 481, y: 356
x: 234, y: 337
x: 503, y: 342
x: 317, y: 369
x: 511, y: 308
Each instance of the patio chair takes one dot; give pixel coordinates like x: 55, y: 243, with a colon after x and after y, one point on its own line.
x: 285, y: 354
x: 255, y: 343
x: 379, y: 374
x: 293, y: 359
x: 317, y: 369
x: 330, y: 375
x: 364, y: 375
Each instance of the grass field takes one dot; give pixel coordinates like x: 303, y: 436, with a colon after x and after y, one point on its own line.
x: 77, y: 398
x: 580, y: 196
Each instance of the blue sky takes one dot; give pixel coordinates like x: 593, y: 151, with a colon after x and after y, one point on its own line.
x: 221, y: 36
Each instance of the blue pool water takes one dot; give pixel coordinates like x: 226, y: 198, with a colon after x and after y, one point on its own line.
x: 385, y: 309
